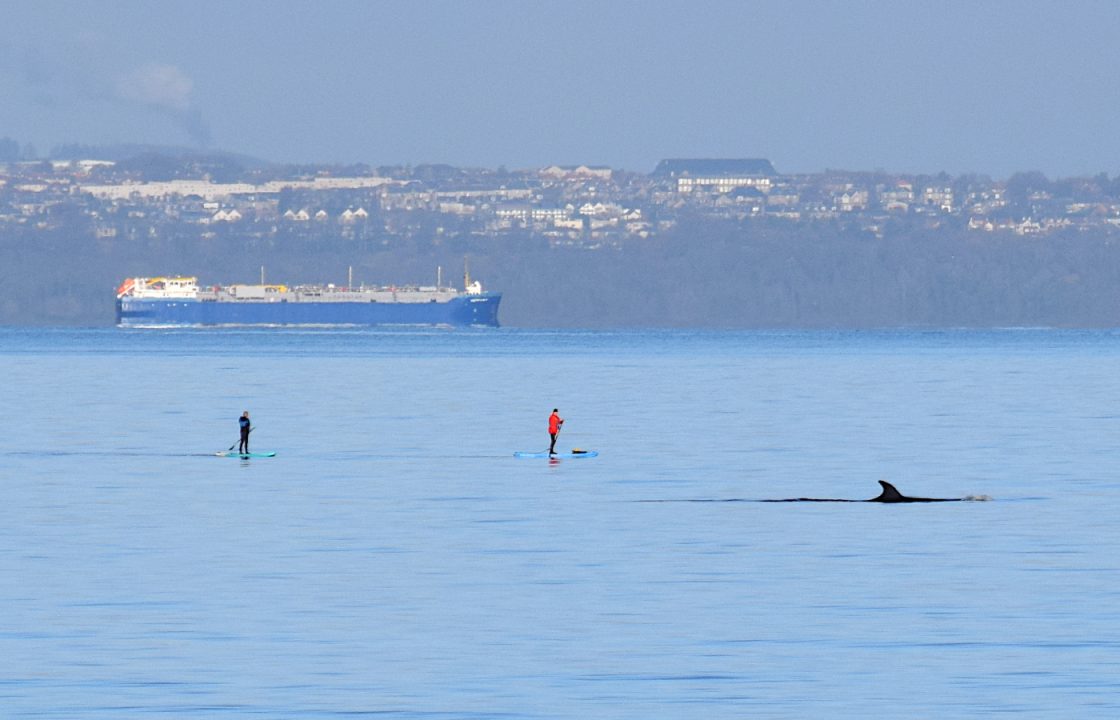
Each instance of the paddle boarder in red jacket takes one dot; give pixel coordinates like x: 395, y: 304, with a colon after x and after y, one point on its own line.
x: 554, y: 423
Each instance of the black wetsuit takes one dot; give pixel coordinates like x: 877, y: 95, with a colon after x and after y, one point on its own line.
x: 243, y: 446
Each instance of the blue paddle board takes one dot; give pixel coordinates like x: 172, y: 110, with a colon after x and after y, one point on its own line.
x: 246, y: 455
x: 572, y: 454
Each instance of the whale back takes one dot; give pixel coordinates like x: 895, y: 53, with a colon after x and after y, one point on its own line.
x: 891, y: 494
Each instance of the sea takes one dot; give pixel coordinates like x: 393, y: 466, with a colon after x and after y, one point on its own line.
x: 395, y: 560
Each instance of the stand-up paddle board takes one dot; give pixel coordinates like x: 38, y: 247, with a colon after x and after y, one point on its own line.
x: 246, y: 455
x: 572, y: 454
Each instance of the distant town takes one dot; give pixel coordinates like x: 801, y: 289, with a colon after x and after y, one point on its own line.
x: 692, y: 243
x: 151, y: 194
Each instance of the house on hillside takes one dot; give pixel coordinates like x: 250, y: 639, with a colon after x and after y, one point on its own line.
x: 716, y: 175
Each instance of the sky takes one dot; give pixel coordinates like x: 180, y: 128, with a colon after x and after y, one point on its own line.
x: 992, y: 87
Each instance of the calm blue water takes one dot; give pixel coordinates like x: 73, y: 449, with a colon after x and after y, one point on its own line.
x: 394, y: 560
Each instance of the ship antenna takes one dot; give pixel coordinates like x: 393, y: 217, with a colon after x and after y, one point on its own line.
x: 350, y: 277
x: 262, y: 274
x: 466, y: 274
x: 439, y: 276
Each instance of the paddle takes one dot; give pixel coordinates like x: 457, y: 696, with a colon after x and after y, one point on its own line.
x: 231, y: 447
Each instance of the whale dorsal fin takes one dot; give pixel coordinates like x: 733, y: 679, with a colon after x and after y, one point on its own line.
x: 890, y: 493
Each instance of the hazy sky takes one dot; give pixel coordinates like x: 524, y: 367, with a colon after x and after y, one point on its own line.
x: 990, y: 87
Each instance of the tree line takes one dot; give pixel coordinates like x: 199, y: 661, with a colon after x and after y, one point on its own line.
x: 702, y: 274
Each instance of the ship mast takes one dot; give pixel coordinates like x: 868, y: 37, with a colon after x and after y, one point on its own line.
x: 466, y: 274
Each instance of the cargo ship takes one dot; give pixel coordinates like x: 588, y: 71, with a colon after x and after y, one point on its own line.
x: 181, y: 301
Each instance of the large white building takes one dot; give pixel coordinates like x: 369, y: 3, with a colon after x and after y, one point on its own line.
x: 214, y: 191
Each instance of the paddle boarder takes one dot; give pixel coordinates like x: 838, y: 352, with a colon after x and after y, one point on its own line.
x: 554, y: 423
x: 246, y: 427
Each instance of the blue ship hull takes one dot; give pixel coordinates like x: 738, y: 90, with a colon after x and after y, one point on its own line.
x: 464, y: 310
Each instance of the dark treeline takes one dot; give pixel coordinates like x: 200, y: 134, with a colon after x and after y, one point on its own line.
x: 704, y: 274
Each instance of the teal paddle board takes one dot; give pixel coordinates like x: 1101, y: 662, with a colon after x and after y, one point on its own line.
x: 572, y: 454
x: 246, y: 455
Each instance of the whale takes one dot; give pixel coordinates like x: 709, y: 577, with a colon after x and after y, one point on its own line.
x: 889, y: 494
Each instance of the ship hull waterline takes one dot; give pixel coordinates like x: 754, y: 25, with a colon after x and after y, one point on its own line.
x: 480, y: 309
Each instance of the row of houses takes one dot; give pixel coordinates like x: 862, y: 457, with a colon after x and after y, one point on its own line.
x: 569, y: 202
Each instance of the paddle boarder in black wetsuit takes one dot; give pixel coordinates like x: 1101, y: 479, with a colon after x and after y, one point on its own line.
x: 243, y: 422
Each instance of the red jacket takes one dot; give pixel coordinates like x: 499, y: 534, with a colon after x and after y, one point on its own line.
x: 554, y: 423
